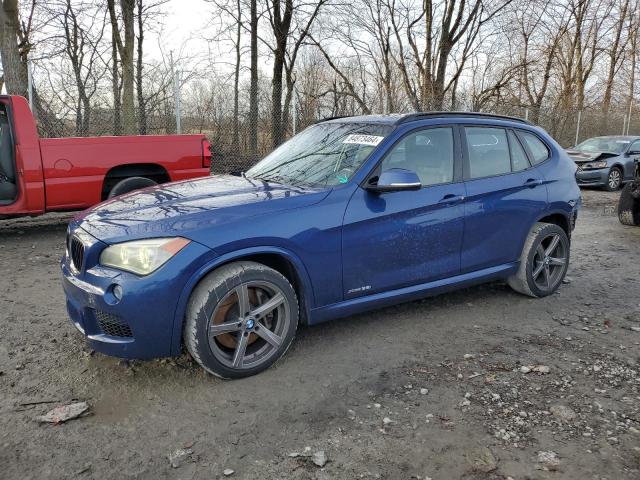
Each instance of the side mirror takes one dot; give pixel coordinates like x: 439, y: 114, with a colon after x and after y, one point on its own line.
x: 396, y: 180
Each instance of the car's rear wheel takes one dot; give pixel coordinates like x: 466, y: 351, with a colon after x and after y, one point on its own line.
x: 614, y: 179
x: 629, y: 204
x: 241, y: 318
x: 543, y: 262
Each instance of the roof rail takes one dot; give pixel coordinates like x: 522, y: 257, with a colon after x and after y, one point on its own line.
x: 425, y: 115
x: 326, y: 119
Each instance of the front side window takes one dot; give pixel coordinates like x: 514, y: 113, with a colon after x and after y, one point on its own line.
x: 539, y: 151
x: 428, y: 153
x: 488, y: 151
x: 325, y: 154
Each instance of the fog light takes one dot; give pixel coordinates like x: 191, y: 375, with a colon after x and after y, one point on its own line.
x: 117, y: 292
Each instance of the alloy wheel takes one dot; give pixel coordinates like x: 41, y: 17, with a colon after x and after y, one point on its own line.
x: 549, y: 262
x: 614, y: 179
x: 249, y: 324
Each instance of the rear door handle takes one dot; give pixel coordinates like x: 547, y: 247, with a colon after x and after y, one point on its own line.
x: 533, y: 182
x: 452, y: 198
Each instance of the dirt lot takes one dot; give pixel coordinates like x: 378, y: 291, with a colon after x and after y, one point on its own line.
x: 431, y: 389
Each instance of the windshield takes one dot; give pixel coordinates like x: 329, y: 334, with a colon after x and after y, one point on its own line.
x: 603, y: 144
x: 325, y: 154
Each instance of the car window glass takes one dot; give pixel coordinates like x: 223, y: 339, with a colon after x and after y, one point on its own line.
x: 635, y: 146
x: 428, y: 153
x: 488, y: 151
x: 539, y: 150
x: 519, y: 159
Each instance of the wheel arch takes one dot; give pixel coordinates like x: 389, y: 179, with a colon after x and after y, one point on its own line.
x: 154, y: 171
x: 282, y: 260
x: 560, y: 219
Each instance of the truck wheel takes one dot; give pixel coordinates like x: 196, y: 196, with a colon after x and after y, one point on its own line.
x: 629, y: 205
x: 543, y: 262
x: 241, y: 318
x: 129, y: 184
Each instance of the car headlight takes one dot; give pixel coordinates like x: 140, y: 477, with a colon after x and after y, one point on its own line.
x: 593, y: 165
x: 142, y: 257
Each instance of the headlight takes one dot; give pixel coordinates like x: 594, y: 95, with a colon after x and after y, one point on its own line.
x: 593, y: 165
x: 142, y: 256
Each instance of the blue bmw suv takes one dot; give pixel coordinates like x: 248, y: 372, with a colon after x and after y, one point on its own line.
x: 350, y: 215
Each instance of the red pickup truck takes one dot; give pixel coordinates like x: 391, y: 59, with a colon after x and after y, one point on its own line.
x: 39, y: 175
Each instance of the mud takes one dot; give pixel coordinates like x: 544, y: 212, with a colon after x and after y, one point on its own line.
x: 430, y: 389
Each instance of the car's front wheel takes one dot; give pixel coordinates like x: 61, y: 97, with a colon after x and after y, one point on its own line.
x: 543, y: 262
x: 241, y: 318
x: 614, y: 180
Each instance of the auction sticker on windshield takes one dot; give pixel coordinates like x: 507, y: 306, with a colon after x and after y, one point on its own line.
x: 361, y: 139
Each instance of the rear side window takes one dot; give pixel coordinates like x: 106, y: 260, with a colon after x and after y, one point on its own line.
x: 488, y: 151
x: 539, y: 151
x: 519, y: 159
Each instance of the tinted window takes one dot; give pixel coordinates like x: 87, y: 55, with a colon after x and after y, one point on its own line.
x: 519, y: 159
x: 539, y: 150
x: 428, y: 152
x: 488, y: 151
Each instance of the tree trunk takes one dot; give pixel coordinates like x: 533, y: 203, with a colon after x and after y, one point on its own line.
x: 125, y: 50
x: 236, y: 84
x: 13, y: 66
x: 115, y: 88
x: 614, y: 58
x: 142, y: 108
x: 253, y: 89
x: 276, y: 98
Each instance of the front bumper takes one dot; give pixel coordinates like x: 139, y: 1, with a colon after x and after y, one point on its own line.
x: 142, y: 324
x: 596, y: 177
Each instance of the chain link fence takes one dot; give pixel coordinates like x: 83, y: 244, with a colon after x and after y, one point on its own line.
x: 195, y: 106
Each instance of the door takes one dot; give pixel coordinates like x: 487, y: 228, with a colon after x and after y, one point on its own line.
x: 395, y: 239
x: 505, y: 194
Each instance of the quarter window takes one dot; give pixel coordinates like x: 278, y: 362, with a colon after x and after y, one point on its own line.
x: 519, y: 159
x: 488, y: 151
x: 539, y: 151
x: 428, y: 153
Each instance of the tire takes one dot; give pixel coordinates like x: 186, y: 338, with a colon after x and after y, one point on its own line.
x: 629, y: 205
x: 214, y: 328
x: 130, y: 184
x: 614, y: 180
x: 528, y: 280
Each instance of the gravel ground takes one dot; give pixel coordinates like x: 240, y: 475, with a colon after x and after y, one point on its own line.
x: 479, y: 384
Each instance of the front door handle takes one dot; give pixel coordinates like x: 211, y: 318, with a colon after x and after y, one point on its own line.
x: 452, y: 198
x: 533, y: 182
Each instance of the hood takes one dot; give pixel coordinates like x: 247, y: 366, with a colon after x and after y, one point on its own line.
x: 184, y: 208
x: 582, y: 157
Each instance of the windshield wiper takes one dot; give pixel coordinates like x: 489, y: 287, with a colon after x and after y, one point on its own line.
x: 275, y: 179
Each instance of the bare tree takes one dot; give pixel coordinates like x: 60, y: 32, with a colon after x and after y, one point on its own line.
x: 125, y: 48
x: 290, y: 27
x: 83, y: 28
x: 616, y: 53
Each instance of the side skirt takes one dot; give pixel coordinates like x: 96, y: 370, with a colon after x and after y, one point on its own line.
x: 407, y: 294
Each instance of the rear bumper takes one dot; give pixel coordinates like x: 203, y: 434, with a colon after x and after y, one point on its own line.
x: 596, y: 178
x: 139, y: 326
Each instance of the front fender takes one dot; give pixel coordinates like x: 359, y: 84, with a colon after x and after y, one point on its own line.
x: 211, y: 264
